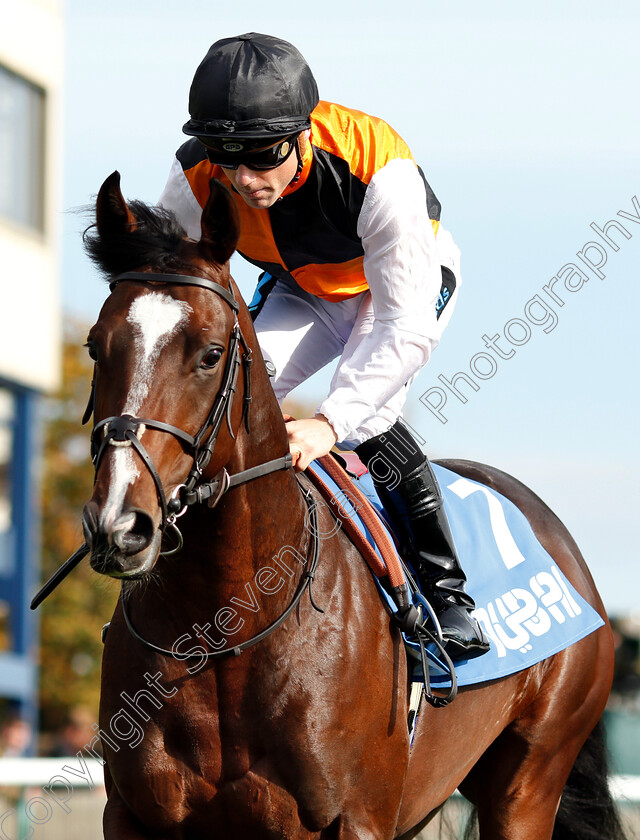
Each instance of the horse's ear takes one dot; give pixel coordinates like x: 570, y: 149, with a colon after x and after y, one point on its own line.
x: 112, y: 213
x: 220, y: 223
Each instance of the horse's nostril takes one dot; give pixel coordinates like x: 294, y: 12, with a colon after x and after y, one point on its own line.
x: 133, y: 532
x: 129, y: 534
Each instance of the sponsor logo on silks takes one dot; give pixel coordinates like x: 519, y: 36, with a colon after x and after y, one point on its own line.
x: 525, y: 604
x: 233, y: 147
x: 517, y: 616
x: 443, y: 299
x: 446, y: 290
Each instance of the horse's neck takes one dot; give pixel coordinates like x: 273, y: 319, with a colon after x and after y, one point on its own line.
x: 248, y: 553
x: 267, y: 513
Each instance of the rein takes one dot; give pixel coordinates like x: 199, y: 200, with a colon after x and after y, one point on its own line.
x: 236, y: 650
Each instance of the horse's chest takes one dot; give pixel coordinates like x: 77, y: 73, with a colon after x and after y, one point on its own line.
x: 233, y: 774
x: 196, y: 791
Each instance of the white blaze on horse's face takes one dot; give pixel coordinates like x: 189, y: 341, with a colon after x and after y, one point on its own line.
x: 155, y: 319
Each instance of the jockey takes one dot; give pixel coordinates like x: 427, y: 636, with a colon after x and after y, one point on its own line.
x: 356, y: 267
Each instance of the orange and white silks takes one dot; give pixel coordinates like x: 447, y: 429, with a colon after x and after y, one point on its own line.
x: 361, y: 218
x: 312, y: 236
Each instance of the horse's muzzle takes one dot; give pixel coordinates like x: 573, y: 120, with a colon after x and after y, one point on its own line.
x: 119, y: 547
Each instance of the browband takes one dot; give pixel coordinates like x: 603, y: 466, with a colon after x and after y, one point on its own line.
x: 179, y: 279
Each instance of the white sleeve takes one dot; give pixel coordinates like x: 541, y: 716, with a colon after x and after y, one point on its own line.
x: 178, y: 197
x: 403, y: 269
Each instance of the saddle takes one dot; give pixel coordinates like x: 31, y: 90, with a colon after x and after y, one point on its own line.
x: 409, y: 607
x: 525, y: 604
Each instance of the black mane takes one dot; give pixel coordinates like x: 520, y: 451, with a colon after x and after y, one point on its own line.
x: 153, y: 242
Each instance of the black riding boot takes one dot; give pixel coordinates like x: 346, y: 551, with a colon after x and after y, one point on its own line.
x: 414, y: 505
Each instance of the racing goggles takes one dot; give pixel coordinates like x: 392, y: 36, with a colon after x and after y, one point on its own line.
x: 231, y: 154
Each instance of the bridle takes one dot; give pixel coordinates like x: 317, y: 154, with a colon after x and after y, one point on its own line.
x: 126, y: 430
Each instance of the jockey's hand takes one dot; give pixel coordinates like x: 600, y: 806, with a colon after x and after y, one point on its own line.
x: 309, y: 439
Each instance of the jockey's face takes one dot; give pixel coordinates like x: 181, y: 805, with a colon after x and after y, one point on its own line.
x: 262, y: 188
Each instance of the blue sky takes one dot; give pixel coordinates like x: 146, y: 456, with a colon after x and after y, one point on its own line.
x: 525, y: 124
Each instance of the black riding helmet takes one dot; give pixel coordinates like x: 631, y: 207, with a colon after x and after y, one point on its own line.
x: 252, y: 86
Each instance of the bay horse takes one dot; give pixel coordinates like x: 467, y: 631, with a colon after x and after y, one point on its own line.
x: 234, y: 705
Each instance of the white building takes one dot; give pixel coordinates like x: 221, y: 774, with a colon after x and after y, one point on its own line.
x: 31, y: 75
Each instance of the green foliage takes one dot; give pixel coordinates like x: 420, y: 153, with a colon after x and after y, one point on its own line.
x: 73, y: 615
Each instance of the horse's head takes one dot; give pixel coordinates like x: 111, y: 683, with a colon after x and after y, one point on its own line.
x: 169, y: 355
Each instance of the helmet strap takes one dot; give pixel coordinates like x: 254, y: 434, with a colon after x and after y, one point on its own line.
x: 296, y: 177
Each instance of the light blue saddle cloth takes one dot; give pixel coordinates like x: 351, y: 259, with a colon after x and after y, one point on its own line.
x: 525, y: 604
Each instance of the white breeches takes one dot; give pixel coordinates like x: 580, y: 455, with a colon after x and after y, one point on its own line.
x: 301, y: 333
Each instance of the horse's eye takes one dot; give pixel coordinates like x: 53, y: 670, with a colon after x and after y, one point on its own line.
x: 211, y: 358
x: 92, y: 351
